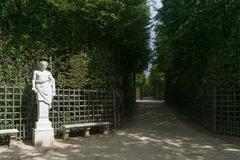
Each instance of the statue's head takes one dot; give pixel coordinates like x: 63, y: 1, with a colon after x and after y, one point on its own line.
x: 43, y: 65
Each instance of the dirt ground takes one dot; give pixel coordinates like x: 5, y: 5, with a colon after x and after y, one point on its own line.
x: 154, y: 132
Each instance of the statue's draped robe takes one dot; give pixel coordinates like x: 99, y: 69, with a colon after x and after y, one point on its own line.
x: 44, y: 90
x: 43, y: 93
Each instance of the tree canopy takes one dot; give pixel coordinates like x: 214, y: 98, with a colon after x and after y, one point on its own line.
x: 111, y: 34
x: 198, y: 44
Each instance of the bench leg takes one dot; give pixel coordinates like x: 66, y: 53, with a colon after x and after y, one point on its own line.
x: 12, y: 140
x: 106, y: 129
x: 87, y: 132
x: 66, y: 134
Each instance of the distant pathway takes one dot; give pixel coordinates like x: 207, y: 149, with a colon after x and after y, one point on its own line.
x: 155, y: 132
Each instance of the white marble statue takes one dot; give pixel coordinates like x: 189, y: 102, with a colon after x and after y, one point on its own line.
x: 43, y: 84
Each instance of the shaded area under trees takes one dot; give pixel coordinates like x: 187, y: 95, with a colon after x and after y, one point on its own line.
x: 198, y: 48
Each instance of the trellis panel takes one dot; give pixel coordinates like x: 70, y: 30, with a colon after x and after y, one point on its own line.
x: 18, y: 108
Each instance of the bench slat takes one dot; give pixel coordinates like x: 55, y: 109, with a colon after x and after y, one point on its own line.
x: 8, y: 131
x: 81, y: 125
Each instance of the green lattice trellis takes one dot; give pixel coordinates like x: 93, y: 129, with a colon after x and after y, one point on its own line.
x: 18, y: 108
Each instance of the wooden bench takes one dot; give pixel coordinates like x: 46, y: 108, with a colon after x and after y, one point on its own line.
x: 85, y: 127
x: 11, y: 134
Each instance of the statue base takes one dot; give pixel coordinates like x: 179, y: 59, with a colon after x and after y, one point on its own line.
x: 43, y: 134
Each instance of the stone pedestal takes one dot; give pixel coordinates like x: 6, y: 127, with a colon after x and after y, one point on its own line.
x: 43, y: 133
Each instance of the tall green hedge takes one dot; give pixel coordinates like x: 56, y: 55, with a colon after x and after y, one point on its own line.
x: 112, y: 34
x: 198, y: 44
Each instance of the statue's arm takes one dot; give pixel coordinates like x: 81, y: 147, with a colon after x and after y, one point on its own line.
x: 34, y: 81
x: 53, y: 84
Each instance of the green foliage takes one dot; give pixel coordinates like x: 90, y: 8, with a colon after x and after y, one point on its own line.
x: 113, y: 34
x: 140, y: 79
x: 156, y: 76
x: 157, y: 81
x: 198, y: 44
x: 147, y: 88
x: 103, y: 71
x: 76, y: 75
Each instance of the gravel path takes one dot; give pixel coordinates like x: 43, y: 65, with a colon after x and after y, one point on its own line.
x: 154, y: 132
